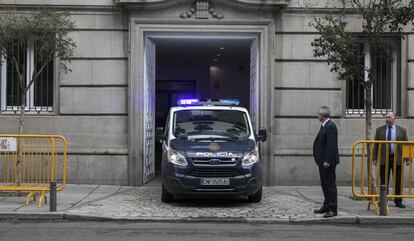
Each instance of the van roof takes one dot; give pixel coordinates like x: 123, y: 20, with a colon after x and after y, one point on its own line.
x: 208, y: 107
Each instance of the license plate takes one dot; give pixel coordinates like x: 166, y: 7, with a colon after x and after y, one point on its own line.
x: 215, y: 181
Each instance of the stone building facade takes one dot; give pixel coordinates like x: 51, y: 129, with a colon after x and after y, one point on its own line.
x: 105, y: 106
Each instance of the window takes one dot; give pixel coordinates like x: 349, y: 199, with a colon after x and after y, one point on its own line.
x: 40, y: 97
x: 385, y: 87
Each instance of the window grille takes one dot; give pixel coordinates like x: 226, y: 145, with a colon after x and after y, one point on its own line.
x: 385, y: 86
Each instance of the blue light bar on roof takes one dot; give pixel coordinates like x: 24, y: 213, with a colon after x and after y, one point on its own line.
x: 229, y: 101
x: 218, y: 102
x: 187, y: 101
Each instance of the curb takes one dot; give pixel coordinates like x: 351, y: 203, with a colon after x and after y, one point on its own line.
x: 341, y: 220
x: 77, y: 217
x: 335, y: 220
x: 389, y: 220
x: 28, y: 216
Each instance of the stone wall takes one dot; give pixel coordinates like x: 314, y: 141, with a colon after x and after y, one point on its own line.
x: 303, y: 83
x: 92, y: 101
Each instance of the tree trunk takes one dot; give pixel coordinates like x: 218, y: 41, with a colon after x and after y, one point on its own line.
x: 368, y: 110
x: 368, y: 128
x: 22, y: 112
x: 19, y: 140
x: 22, y: 84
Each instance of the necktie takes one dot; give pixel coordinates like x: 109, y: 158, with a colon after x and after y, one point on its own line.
x: 389, y: 138
x: 389, y: 133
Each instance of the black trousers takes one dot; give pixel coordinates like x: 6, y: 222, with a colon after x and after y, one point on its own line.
x: 328, y: 183
x: 390, y: 174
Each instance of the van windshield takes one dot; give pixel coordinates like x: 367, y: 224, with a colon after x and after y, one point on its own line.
x: 211, y: 125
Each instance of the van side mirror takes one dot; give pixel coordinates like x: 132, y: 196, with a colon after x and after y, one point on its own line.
x: 159, y: 134
x: 262, y: 135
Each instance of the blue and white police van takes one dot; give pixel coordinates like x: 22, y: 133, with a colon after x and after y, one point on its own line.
x: 210, y: 148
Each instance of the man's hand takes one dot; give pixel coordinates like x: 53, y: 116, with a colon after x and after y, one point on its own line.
x: 326, y: 165
x: 407, y: 162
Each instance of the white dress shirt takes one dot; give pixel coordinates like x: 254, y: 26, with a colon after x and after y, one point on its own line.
x: 324, y: 123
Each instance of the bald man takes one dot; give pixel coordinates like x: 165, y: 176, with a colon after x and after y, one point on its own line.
x: 391, y: 132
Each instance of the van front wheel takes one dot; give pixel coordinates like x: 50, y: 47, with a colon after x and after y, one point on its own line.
x: 257, y: 197
x: 166, y: 197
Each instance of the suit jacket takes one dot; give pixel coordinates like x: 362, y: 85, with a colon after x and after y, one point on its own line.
x: 325, y: 147
x: 400, y: 135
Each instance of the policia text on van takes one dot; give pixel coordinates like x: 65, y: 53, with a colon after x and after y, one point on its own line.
x: 209, y: 148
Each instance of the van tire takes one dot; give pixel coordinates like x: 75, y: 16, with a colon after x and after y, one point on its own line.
x: 257, y: 197
x: 166, y: 197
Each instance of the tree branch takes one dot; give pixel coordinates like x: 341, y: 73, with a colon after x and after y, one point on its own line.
x: 19, y: 73
x: 35, y: 75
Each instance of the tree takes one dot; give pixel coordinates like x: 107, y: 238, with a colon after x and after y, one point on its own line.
x: 341, y: 46
x: 48, y: 31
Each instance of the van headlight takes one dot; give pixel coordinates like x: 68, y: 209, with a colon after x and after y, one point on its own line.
x: 250, y: 158
x: 177, y: 158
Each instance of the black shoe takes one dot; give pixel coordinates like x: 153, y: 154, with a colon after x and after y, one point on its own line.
x: 399, y: 205
x: 330, y: 214
x: 321, y: 210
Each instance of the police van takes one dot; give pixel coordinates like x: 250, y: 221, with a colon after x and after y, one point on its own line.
x: 210, y: 148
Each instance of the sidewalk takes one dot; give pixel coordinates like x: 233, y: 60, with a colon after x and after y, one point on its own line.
x: 121, y: 203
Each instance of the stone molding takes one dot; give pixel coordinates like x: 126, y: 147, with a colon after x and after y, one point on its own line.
x: 202, y: 9
x: 249, y: 4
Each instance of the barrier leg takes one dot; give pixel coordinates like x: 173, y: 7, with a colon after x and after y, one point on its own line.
x: 374, y: 203
x: 30, y: 195
x: 41, y: 199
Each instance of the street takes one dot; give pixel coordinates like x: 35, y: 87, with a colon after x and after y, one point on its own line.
x: 102, y: 231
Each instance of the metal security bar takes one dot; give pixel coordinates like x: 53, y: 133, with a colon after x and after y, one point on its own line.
x: 28, y: 163
x: 371, y: 165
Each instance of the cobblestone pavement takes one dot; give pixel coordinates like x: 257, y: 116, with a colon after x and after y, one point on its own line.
x: 144, y: 202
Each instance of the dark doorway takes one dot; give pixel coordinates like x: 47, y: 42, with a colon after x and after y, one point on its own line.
x: 199, y: 67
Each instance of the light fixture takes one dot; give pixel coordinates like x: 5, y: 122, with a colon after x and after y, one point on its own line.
x: 344, y: 20
x: 215, y: 60
x: 221, y: 47
x: 218, y: 55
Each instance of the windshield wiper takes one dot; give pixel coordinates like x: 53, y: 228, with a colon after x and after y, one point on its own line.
x: 182, y: 137
x: 234, y: 137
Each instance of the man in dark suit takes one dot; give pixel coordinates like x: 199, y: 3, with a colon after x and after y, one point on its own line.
x: 390, y: 132
x: 326, y: 155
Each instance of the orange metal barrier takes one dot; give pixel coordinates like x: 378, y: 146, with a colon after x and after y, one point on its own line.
x: 28, y: 163
x: 366, y: 174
